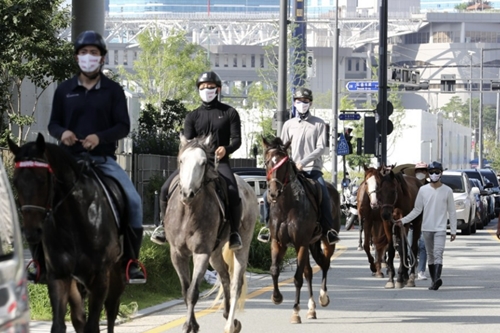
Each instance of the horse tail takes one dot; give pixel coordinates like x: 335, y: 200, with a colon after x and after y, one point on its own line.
x: 228, y: 256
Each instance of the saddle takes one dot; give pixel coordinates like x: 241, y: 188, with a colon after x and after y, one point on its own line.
x: 314, y: 193
x: 112, y: 189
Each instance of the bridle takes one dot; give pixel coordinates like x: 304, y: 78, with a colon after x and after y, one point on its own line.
x: 269, y: 177
x: 39, y: 164
x: 35, y: 163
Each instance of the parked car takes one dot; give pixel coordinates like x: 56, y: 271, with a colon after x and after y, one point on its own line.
x: 256, y: 178
x: 490, y: 175
x: 474, y: 173
x: 14, y: 308
x: 465, y: 202
x: 481, y: 204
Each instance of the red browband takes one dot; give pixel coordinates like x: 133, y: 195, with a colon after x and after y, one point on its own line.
x: 33, y: 164
x: 280, y: 163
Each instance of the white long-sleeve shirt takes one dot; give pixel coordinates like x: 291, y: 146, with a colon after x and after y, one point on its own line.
x: 308, y: 141
x: 435, y: 203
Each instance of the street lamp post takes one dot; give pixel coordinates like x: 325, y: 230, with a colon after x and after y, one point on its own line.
x: 335, y: 102
x: 470, y: 90
x: 481, y: 145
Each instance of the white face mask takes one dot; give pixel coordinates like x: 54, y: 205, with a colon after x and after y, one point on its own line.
x: 89, y: 63
x: 420, y: 176
x: 434, y: 178
x: 302, y: 107
x: 208, y: 95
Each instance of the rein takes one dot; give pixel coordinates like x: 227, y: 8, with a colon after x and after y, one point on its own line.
x: 270, y: 177
x: 35, y: 164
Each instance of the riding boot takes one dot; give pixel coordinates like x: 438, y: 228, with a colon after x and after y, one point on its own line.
x: 134, y: 273
x: 158, y: 235
x: 438, y: 283
x: 235, y: 242
x: 432, y: 272
x: 36, y: 271
x: 327, y: 220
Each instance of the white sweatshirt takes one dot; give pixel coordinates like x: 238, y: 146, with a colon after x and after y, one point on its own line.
x: 437, y: 204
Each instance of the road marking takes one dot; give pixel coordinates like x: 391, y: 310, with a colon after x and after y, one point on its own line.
x: 340, y: 249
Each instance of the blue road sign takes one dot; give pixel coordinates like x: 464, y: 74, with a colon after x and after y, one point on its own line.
x: 342, y: 147
x: 362, y: 85
x: 349, y: 116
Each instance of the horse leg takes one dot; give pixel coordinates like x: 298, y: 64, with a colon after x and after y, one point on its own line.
x: 218, y: 263
x: 322, y: 258
x: 414, y: 251
x: 361, y: 229
x: 98, y: 289
x: 311, y: 305
x: 181, y: 265
x: 298, y: 280
x: 366, y: 246
x: 200, y: 264
x: 277, y: 254
x: 59, y: 294
x: 77, y: 306
x: 112, y: 303
x: 390, y: 266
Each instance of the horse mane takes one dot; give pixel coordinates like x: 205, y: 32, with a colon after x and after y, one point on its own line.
x: 209, y: 149
x: 402, y: 181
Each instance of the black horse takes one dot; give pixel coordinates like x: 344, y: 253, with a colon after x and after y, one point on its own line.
x: 67, y: 210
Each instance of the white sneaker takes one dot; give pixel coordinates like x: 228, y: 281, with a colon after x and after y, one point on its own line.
x: 421, y: 276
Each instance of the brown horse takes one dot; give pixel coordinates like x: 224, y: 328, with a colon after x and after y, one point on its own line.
x: 369, y: 217
x: 399, y: 191
x: 294, y: 213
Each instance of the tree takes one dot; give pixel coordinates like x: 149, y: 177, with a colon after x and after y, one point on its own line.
x: 159, y: 128
x: 30, y: 52
x: 166, y: 68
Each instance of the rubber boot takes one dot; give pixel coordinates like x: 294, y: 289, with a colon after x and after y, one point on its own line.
x: 234, y: 237
x: 432, y: 272
x: 438, y: 283
x: 134, y: 273
x: 36, y: 274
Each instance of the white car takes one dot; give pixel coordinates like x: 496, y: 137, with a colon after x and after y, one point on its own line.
x: 465, y: 202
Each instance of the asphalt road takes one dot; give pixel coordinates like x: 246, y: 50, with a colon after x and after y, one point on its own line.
x: 468, y: 301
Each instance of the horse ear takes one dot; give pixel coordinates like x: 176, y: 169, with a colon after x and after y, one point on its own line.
x: 265, y: 143
x: 40, y: 143
x: 287, y: 145
x: 183, y: 140
x: 14, y: 148
x: 365, y: 167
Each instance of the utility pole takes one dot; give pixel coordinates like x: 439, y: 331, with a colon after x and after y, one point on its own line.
x: 335, y: 95
x: 88, y: 15
x: 382, y: 81
x: 282, y: 60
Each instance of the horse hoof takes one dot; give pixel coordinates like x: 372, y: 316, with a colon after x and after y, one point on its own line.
x: 410, y: 283
x: 296, y: 319
x: 311, y: 315
x: 277, y: 300
x: 360, y: 248
x: 324, y: 301
x: 389, y: 285
x: 237, y: 326
x: 399, y: 285
x: 379, y: 275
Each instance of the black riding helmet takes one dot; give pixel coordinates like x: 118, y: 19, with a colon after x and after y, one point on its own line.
x: 90, y: 37
x: 303, y: 93
x: 435, y: 166
x: 209, y: 77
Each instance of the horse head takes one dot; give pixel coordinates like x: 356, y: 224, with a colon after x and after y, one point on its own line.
x: 33, y: 180
x: 388, y: 195
x: 196, y: 161
x: 372, y: 178
x: 277, y: 164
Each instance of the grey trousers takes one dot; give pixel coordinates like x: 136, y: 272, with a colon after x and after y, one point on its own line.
x: 434, y: 244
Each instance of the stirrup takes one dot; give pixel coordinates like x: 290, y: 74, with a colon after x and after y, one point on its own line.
x: 140, y: 267
x: 335, y: 236
x: 158, y: 235
x: 33, y: 274
x: 264, y: 235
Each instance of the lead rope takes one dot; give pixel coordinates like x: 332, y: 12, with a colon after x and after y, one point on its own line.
x: 405, y: 246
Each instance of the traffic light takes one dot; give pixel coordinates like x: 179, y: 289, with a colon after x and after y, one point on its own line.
x: 348, y: 137
x: 390, y: 110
